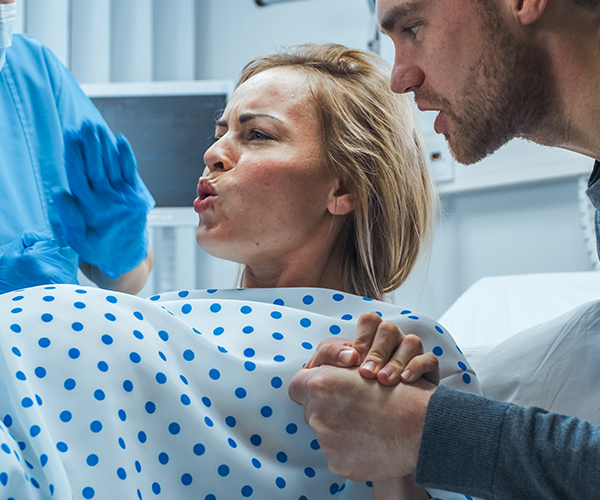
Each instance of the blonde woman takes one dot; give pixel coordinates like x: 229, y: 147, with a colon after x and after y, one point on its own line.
x: 318, y: 186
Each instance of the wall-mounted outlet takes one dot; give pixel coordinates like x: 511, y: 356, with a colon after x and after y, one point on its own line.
x: 442, y: 162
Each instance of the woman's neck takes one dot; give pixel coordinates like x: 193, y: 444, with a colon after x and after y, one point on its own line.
x: 322, y: 270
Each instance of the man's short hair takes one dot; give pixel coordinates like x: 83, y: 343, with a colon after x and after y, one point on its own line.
x: 590, y: 4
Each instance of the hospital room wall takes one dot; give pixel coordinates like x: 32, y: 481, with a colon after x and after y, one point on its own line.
x: 525, y: 228
x: 521, y: 229
x: 144, y: 40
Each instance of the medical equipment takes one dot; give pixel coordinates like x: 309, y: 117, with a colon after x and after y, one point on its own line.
x: 169, y: 126
x: 8, y: 14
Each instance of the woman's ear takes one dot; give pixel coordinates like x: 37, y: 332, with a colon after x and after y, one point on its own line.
x: 529, y: 11
x: 341, y: 201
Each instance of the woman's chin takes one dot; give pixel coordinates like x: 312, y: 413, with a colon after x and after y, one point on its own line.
x: 215, y: 247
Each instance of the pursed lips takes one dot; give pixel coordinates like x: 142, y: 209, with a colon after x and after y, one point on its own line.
x: 206, y: 193
x: 205, y: 189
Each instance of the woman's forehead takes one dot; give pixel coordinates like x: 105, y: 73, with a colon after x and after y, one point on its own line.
x: 283, y: 90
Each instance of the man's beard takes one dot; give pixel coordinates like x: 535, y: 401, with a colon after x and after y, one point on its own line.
x: 513, y: 95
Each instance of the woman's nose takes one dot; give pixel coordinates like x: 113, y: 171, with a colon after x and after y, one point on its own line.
x: 216, y: 158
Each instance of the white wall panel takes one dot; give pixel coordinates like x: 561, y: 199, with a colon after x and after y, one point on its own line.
x: 20, y: 21
x: 174, y: 40
x: 131, y: 49
x: 49, y: 23
x: 232, y: 32
x: 90, y: 40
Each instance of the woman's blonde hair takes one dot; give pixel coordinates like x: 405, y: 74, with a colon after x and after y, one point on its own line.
x: 370, y: 140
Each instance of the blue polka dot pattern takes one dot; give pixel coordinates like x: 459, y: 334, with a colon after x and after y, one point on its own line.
x: 128, y: 391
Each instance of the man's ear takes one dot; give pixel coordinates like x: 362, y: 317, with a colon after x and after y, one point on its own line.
x: 341, y: 201
x: 528, y: 11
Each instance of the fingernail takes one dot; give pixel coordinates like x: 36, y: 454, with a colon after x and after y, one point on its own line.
x: 346, y: 356
x: 406, y: 375
x: 369, y: 366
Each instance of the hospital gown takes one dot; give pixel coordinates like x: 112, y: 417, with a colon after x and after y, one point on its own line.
x: 39, y: 100
x: 180, y: 396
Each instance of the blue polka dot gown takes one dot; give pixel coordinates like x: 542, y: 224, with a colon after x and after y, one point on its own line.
x: 181, y: 396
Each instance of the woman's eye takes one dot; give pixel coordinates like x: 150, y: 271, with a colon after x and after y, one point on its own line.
x: 257, y: 135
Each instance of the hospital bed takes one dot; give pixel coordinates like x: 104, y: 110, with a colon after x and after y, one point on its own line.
x: 534, y: 340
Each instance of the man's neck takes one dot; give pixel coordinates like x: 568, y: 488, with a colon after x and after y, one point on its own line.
x: 572, y: 35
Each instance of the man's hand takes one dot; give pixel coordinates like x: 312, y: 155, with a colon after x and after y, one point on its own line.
x: 367, y: 431
x: 34, y: 259
x: 382, y: 352
x: 104, y: 216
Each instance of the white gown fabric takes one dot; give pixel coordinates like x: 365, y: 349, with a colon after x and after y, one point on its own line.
x: 181, y: 396
x: 553, y: 366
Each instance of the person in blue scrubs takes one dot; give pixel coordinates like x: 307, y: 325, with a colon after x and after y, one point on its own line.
x: 71, y: 195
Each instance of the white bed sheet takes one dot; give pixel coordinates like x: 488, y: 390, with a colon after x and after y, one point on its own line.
x: 495, y: 308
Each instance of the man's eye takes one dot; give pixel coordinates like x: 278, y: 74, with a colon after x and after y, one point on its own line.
x: 412, y: 30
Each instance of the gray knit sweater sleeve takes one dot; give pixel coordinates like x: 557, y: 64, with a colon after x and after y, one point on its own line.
x: 479, y: 447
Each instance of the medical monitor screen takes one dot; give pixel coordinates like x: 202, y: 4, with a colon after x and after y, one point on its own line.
x: 169, y: 135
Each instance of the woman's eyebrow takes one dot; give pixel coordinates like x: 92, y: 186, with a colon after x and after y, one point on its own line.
x: 246, y: 117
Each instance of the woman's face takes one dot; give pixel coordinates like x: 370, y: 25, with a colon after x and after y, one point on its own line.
x: 265, y: 198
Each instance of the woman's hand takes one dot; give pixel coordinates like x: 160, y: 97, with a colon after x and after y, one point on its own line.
x: 382, y: 351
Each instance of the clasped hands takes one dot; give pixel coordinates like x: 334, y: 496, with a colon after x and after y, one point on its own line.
x: 366, y: 400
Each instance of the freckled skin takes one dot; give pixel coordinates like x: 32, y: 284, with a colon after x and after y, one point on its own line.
x: 271, y: 212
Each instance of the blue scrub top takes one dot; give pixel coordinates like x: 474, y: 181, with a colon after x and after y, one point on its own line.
x: 39, y: 100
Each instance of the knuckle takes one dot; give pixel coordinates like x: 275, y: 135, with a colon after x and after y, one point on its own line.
x: 389, y: 330
x: 394, y: 365
x: 366, y: 328
x: 324, y: 343
x: 413, y: 342
x: 318, y: 385
x: 432, y: 359
x: 370, y: 317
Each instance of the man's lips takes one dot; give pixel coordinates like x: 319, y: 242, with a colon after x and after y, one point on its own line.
x: 439, y: 123
x: 423, y: 107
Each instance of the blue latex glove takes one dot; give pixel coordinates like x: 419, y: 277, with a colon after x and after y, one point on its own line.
x: 34, y: 259
x: 104, y: 216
